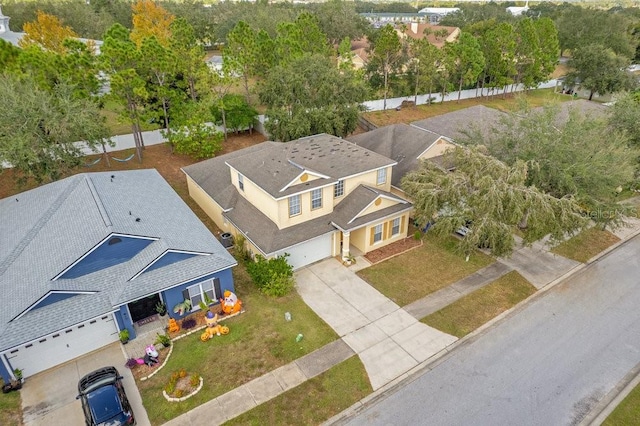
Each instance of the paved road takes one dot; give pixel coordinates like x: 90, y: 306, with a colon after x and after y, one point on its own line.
x: 548, y: 364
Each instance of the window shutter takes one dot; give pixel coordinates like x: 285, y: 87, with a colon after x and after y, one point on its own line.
x: 185, y: 294
x: 386, y: 231
x: 217, y: 292
x: 402, y: 224
x: 371, y: 236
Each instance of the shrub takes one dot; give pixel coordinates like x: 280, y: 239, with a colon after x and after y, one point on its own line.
x: 195, y: 139
x: 182, y: 373
x: 195, y: 380
x: 178, y: 393
x: 170, y: 387
x: 279, y: 285
x: 188, y: 323
x: 274, y: 276
x: 240, y: 249
x: 417, y: 235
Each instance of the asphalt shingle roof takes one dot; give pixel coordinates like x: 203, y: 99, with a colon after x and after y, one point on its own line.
x: 280, y: 163
x: 461, y: 123
x: 345, y: 215
x: 400, y: 142
x: 47, y: 229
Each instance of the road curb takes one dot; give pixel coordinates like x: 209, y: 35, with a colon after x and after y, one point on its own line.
x: 406, y: 378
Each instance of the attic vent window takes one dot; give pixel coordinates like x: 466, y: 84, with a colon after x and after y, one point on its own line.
x: 114, y: 240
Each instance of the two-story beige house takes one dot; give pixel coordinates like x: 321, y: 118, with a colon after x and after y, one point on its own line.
x: 312, y: 198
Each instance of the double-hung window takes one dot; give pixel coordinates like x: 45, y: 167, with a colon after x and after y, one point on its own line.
x: 240, y: 182
x: 316, y: 199
x: 377, y: 233
x: 395, y: 226
x: 201, y: 292
x: 382, y: 176
x: 294, y: 205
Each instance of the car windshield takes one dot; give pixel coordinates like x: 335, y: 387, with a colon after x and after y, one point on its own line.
x: 104, y: 403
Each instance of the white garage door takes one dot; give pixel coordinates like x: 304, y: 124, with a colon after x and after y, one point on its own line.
x: 311, y: 251
x: 64, y: 346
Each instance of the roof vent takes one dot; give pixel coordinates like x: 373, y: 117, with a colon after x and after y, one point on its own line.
x: 138, y: 219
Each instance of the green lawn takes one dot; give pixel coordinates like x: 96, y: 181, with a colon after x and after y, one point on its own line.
x: 628, y: 412
x: 10, y: 407
x: 535, y: 98
x: 315, y: 400
x: 259, y: 342
x: 423, y: 270
x: 586, y: 244
x: 111, y: 112
x: 470, y: 312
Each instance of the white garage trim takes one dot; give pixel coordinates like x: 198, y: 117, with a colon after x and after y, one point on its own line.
x: 309, y: 251
x: 63, y: 345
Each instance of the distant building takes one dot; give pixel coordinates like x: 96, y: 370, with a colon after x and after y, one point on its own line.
x: 5, y: 33
x: 517, y: 11
x: 435, y: 14
x: 433, y: 34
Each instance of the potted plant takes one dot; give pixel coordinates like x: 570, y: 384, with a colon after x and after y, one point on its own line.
x: 124, y: 336
x: 161, y: 309
x: 18, y: 374
x: 163, y: 339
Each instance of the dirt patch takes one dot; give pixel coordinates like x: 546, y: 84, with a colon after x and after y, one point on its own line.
x: 157, y: 157
x: 143, y: 370
x: 392, y: 250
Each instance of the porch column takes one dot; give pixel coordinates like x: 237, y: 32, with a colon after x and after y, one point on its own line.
x: 345, y: 245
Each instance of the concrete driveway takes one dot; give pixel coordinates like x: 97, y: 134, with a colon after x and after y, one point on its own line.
x: 49, y: 398
x: 388, y: 340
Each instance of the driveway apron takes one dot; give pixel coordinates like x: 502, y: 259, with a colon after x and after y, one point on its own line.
x: 388, y: 340
x: 49, y: 398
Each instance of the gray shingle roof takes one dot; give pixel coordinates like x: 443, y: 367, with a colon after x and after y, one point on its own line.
x: 280, y: 163
x: 400, y: 142
x: 461, y: 123
x: 47, y: 229
x: 345, y: 214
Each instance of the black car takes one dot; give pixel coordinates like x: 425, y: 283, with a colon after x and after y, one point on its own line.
x: 104, y: 401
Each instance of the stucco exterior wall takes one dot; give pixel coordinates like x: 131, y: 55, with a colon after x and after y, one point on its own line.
x: 306, y: 213
x: 437, y: 149
x: 206, y: 203
x: 379, y: 204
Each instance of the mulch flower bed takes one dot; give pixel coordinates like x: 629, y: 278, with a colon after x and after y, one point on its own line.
x: 392, y: 250
x: 143, y: 370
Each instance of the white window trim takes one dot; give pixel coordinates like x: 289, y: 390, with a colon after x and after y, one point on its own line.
x: 393, y: 226
x: 241, y: 182
x: 196, y: 306
x: 298, y: 205
x: 375, y: 232
x: 381, y: 177
x: 316, y: 199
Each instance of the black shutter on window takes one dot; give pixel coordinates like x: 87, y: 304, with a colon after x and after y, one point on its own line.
x: 217, y: 291
x: 185, y: 295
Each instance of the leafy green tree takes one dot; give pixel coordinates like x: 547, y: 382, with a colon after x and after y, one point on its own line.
x: 120, y: 60
x: 309, y: 96
x: 8, y: 56
x: 549, y: 45
x: 40, y: 129
x: 386, y: 54
x: 425, y: 58
x: 240, y: 53
x: 188, y: 52
x: 528, y: 53
x: 239, y: 115
x: 580, y: 26
x: 499, y: 49
x: 624, y: 116
x: 600, y: 70
x: 569, y: 154
x: 338, y: 19
x: 467, y: 60
x: 471, y: 13
x: 492, y: 199
x: 159, y: 65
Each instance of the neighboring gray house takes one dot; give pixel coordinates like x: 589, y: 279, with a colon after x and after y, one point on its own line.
x: 87, y: 256
x: 5, y: 32
x: 405, y: 144
x: 459, y: 124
